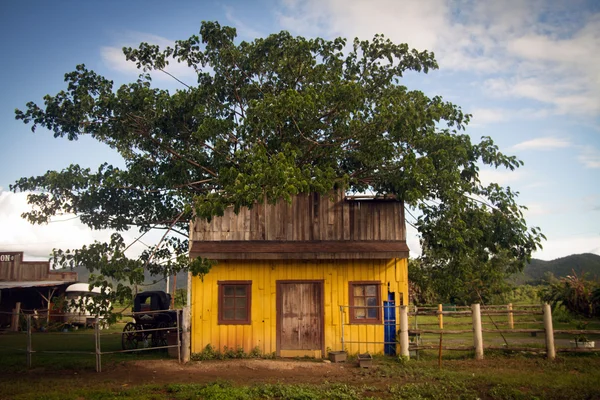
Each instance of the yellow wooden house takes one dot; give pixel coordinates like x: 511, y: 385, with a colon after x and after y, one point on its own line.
x: 301, y: 278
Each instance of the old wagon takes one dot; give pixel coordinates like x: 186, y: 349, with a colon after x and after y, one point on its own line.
x: 152, y: 318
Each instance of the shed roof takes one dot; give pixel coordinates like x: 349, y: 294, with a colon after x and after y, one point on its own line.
x: 28, y: 284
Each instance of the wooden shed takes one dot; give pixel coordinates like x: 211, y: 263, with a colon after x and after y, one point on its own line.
x: 28, y: 285
x: 294, y: 278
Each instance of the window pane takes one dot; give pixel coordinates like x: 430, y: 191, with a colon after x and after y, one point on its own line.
x: 240, y: 302
x: 372, y: 301
x: 359, y: 290
x: 234, y: 303
x: 371, y: 290
x: 360, y: 301
x: 228, y: 290
x: 372, y: 313
x: 228, y: 302
x: 240, y: 314
x: 359, y: 313
x: 240, y: 290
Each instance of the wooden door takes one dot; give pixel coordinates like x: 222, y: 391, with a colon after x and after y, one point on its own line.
x: 300, y: 318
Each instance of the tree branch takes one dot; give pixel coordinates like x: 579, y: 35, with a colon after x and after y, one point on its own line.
x: 177, y: 79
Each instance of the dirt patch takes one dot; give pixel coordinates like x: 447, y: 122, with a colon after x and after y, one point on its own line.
x: 237, y: 371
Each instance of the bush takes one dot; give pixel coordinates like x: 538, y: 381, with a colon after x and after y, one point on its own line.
x: 210, y: 353
x: 577, y: 294
x: 560, y: 314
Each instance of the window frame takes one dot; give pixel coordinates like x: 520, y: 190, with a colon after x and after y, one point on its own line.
x: 220, y: 306
x: 353, y: 307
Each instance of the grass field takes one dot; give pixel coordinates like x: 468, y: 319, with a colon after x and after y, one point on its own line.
x: 499, y: 376
x: 151, y: 375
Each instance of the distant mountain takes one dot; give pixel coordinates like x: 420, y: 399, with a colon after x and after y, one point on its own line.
x: 535, y: 271
x: 150, y: 282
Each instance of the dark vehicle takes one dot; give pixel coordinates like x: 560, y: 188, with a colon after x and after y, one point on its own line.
x: 152, y: 317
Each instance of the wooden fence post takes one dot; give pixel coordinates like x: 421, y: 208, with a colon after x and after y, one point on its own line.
x: 404, y: 332
x: 29, y: 348
x: 98, y: 349
x: 511, y: 321
x: 477, y: 335
x: 178, y: 335
x: 550, y: 350
x: 14, y: 323
x: 440, y: 315
x: 186, y: 335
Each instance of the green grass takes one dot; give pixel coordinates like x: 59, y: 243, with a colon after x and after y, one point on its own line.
x: 216, y: 390
x: 500, y: 376
x: 497, y: 377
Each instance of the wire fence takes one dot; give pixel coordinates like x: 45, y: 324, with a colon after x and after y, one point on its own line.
x: 463, y: 328
x: 32, y: 334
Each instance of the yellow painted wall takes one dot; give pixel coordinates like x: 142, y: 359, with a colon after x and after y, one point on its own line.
x: 261, y: 332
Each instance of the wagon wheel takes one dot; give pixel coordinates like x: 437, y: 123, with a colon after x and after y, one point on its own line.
x: 159, y: 338
x: 129, y: 338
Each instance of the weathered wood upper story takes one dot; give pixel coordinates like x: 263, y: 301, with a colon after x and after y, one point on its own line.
x: 13, y: 268
x: 310, y: 227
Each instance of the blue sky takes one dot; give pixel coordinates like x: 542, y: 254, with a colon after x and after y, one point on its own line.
x: 528, y: 71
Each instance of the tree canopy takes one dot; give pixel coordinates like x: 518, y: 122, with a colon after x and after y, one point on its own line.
x: 271, y: 118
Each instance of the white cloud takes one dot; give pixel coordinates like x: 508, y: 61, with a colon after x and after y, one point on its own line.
x: 539, y: 50
x: 536, y: 209
x: 567, y: 94
x: 591, y: 202
x: 242, y: 29
x: 37, y: 241
x: 556, y: 247
x: 113, y: 58
x: 486, y: 116
x: 589, y: 157
x: 544, y: 143
x: 501, y: 177
x: 537, y: 184
x: 416, y: 23
x: 555, y: 67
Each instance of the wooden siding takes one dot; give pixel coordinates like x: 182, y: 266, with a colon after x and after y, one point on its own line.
x: 328, y: 227
x: 18, y: 270
x: 262, y: 332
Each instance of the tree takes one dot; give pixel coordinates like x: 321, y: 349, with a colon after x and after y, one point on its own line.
x: 579, y: 295
x: 269, y: 119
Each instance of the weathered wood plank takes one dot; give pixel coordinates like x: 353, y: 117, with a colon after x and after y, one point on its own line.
x: 346, y: 224
x: 308, y: 217
x: 289, y: 226
x: 314, y: 210
x: 261, y: 220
